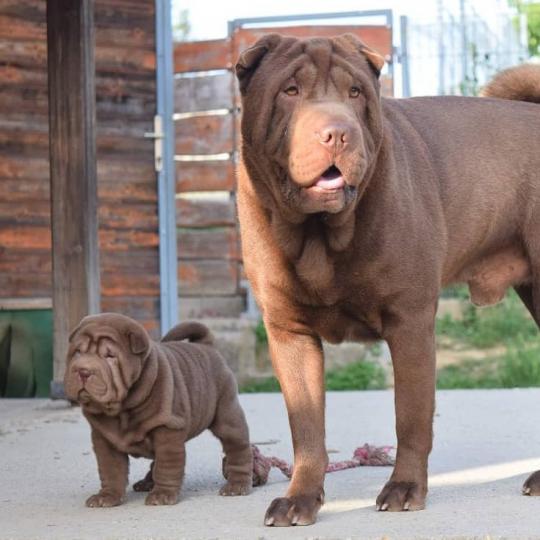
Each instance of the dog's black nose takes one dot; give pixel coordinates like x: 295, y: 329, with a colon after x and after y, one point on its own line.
x: 84, y: 374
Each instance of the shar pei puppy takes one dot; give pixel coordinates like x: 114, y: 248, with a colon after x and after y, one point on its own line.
x: 146, y: 399
x: 355, y: 210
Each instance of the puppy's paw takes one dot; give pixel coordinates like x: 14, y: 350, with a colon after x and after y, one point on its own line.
x: 232, y: 489
x: 532, y: 485
x: 160, y: 497
x: 104, y: 500
x: 399, y: 496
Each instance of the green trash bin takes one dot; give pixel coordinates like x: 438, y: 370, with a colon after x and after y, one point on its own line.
x: 26, y: 357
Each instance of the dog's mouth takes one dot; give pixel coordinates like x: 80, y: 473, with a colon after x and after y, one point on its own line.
x: 330, y: 180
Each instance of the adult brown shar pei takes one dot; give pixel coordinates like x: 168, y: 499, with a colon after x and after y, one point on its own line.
x: 146, y: 398
x: 355, y: 211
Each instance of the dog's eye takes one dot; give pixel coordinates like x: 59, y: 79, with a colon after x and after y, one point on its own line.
x: 291, y: 90
x: 354, y: 92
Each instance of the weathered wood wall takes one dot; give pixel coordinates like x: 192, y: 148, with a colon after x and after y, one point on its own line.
x: 207, y: 108
x: 127, y: 185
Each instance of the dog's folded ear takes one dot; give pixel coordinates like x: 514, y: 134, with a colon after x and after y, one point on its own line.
x: 139, y: 341
x: 375, y: 60
x: 250, y: 59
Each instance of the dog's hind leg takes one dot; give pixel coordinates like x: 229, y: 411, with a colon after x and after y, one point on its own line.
x: 525, y: 292
x: 530, y: 295
x: 147, y: 483
x: 231, y: 428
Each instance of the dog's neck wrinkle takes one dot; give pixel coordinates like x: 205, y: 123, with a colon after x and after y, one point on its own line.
x: 142, y: 389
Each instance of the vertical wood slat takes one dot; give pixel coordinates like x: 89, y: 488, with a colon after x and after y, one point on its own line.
x: 76, y: 284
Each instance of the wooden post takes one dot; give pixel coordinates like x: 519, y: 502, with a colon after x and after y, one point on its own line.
x: 72, y: 147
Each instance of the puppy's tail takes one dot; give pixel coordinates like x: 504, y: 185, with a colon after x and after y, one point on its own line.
x: 193, y: 331
x: 521, y: 83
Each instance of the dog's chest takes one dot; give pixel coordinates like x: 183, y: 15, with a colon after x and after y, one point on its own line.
x: 125, y: 437
x: 339, y: 323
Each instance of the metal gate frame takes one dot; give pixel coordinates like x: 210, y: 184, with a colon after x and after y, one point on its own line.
x: 168, y: 261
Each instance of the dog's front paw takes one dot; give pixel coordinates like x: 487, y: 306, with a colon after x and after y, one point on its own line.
x: 104, y: 499
x: 532, y: 485
x: 398, y: 496
x: 231, y: 489
x: 160, y: 497
x: 293, y: 510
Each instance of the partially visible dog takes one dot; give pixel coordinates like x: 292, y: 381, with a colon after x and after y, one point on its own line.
x: 144, y: 398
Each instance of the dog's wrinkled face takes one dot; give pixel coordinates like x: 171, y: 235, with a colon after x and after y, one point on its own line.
x: 311, y: 122
x: 105, y: 358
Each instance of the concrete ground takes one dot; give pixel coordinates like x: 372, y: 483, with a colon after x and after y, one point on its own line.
x: 486, y: 443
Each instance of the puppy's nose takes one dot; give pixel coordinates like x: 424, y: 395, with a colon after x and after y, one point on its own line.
x: 334, y: 136
x: 84, y: 374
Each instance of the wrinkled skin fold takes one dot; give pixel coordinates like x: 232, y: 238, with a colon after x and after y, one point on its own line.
x: 356, y: 210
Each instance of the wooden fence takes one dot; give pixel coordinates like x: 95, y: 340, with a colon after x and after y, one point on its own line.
x: 127, y: 186
x: 207, y: 108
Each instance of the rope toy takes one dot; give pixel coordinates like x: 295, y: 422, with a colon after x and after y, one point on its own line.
x: 367, y: 455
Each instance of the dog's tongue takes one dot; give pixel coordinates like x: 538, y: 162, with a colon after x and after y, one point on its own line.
x: 331, y: 179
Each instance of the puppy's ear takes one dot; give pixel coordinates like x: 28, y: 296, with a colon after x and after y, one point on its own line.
x: 250, y: 59
x: 139, y: 341
x: 375, y: 60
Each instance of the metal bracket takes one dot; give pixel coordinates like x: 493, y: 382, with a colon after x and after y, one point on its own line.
x: 158, y: 137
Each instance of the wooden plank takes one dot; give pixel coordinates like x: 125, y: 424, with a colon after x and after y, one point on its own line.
x: 25, y: 236
x: 31, y: 213
x: 10, y: 304
x: 215, y: 243
x: 112, y: 170
x: 21, y: 29
x: 205, y: 93
x: 71, y: 68
x: 21, y: 260
x: 135, y: 261
x: 205, y: 213
x: 141, y: 217
x: 24, y: 167
x: 140, y: 308
x: 145, y: 310
x: 207, y: 277
x: 117, y: 284
x: 126, y: 192
x: 202, y: 55
x: 125, y: 240
x: 39, y: 238
x: 37, y: 284
x: 377, y: 37
x: 205, y: 176
x: 204, y: 135
x: 23, y: 190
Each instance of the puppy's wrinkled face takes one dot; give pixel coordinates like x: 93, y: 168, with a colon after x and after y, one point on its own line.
x: 105, y: 358
x: 311, y: 122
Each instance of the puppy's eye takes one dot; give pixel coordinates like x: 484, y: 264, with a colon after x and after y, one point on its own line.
x: 354, y: 92
x: 291, y: 90
x: 109, y: 355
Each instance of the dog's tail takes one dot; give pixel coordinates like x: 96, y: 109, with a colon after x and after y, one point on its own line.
x: 191, y: 330
x: 521, y: 83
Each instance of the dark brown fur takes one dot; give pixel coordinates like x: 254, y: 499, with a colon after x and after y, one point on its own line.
x: 144, y: 398
x: 431, y: 191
